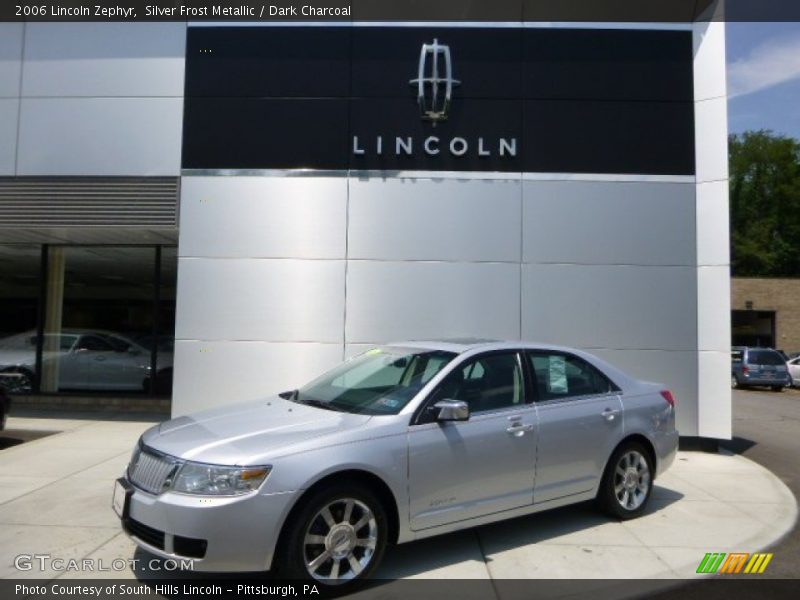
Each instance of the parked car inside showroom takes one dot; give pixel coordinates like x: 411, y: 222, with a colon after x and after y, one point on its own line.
x: 5, y: 405
x: 758, y: 367
x: 403, y: 442
x: 86, y: 360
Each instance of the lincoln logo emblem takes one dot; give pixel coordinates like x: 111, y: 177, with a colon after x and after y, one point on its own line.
x: 434, y: 89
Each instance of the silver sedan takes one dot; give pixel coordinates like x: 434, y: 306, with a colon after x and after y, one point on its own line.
x: 400, y: 443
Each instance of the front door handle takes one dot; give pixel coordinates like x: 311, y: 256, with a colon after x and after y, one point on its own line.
x: 609, y: 414
x: 519, y: 429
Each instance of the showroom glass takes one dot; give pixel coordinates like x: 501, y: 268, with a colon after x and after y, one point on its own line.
x: 20, y: 267
x: 564, y: 376
x: 378, y: 382
x: 487, y: 383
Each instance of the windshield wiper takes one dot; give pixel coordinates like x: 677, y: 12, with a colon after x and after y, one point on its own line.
x: 317, y: 403
x: 294, y: 396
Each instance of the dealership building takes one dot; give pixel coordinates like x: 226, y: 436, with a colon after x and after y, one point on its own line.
x: 251, y: 203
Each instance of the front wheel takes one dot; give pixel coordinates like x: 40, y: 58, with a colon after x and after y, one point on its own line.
x: 777, y: 388
x: 337, y: 539
x: 627, y: 482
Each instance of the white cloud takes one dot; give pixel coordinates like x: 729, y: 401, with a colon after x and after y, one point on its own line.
x: 769, y: 64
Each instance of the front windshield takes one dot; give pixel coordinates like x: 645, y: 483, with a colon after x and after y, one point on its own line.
x: 379, y: 382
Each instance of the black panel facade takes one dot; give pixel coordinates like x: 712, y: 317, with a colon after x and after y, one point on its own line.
x: 523, y: 99
x: 265, y: 133
x: 655, y: 138
x: 603, y: 64
x: 276, y: 61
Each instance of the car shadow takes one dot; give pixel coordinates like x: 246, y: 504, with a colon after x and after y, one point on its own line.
x: 454, y: 550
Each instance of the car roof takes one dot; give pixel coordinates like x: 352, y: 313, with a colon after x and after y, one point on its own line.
x: 461, y: 345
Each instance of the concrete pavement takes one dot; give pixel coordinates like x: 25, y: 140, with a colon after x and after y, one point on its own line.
x: 55, y: 499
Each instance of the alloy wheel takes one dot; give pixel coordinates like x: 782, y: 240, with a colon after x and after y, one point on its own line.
x: 631, y: 480
x: 340, y: 541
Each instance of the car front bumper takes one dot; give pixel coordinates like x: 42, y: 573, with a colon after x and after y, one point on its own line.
x: 219, y: 534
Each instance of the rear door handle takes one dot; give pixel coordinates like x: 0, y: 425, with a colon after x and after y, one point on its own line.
x: 519, y: 429
x: 609, y: 414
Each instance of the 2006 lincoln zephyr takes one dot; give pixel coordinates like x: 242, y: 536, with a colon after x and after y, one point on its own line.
x: 400, y: 443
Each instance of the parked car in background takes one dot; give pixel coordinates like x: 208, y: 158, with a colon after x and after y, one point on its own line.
x: 400, y: 443
x: 86, y: 360
x: 758, y: 367
x: 5, y: 405
x: 794, y: 371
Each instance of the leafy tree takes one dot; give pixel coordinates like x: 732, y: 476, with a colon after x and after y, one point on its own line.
x: 765, y: 204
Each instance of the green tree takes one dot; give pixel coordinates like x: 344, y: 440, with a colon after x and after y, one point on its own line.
x: 765, y: 204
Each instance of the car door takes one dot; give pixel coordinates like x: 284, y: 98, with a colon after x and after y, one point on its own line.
x: 466, y: 469
x: 580, y: 423
x: 102, y: 362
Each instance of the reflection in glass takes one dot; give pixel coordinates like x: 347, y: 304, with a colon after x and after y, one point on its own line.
x: 19, y: 298
x: 99, y: 303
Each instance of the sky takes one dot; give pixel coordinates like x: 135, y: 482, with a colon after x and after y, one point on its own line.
x: 764, y: 77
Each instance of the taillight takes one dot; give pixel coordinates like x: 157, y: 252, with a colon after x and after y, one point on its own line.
x: 667, y: 395
x: 745, y: 369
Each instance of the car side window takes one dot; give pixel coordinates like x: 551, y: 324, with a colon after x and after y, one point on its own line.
x: 487, y: 383
x: 94, y: 344
x: 558, y: 375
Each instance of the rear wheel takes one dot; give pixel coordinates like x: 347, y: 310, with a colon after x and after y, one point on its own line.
x: 734, y: 382
x: 627, y: 482
x: 777, y: 388
x: 337, y: 539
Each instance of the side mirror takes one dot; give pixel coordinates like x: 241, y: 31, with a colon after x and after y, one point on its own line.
x: 451, y: 410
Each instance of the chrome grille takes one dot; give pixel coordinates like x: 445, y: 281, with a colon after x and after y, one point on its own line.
x: 150, y: 472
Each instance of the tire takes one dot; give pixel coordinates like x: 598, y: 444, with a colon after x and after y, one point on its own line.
x: 352, y: 551
x: 734, y: 382
x: 777, y: 388
x: 627, y: 482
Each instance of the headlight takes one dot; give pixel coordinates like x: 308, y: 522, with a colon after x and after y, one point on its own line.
x: 214, y: 480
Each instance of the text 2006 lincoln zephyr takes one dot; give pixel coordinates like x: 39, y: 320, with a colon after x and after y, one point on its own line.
x: 400, y: 443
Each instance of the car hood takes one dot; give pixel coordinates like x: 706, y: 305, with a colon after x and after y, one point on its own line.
x: 10, y: 357
x: 249, y: 433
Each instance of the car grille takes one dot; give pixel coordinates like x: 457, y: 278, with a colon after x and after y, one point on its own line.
x: 150, y: 471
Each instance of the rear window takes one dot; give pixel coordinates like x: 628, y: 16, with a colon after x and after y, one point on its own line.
x: 764, y: 357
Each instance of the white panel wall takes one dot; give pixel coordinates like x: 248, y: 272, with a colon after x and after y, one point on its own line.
x: 104, y: 59
x: 10, y: 69
x: 423, y: 219
x: 613, y: 307
x: 216, y: 373
x: 10, y: 59
x: 96, y: 98
x: 713, y: 244
x: 610, y: 223
x: 260, y: 299
x: 9, y: 109
x: 264, y: 217
x: 261, y: 286
x: 100, y: 136
x: 417, y: 300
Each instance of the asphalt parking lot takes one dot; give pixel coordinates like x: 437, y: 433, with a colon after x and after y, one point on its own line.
x: 766, y: 428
